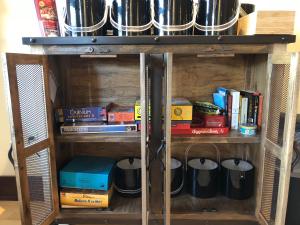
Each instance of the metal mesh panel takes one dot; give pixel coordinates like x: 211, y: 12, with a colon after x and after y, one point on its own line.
x: 39, y: 179
x: 270, y: 187
x: 30, y: 79
x: 278, y: 101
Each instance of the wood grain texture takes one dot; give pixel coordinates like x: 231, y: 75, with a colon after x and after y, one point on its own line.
x: 267, y: 22
x: 94, y: 81
x: 158, y: 49
x: 197, y: 78
x: 186, y: 205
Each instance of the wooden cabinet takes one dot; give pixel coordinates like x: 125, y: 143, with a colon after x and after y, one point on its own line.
x: 76, y: 71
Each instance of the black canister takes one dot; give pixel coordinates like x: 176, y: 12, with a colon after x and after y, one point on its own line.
x: 248, y: 8
x: 237, y: 178
x: 85, y: 17
x: 128, y: 177
x: 202, y: 177
x: 131, y: 17
x: 173, y: 17
x: 216, y: 17
x: 177, y: 177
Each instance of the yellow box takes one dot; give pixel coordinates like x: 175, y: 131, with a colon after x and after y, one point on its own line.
x: 182, y: 109
x: 85, y: 198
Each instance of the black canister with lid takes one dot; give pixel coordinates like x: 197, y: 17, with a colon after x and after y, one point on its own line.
x: 173, y: 17
x: 85, y: 17
x: 217, y: 17
x: 131, y: 17
x: 128, y: 177
x: 237, y: 178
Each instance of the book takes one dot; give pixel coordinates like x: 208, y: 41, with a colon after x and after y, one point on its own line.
x: 94, y: 128
x: 82, y: 114
x: 220, y: 98
x: 229, y: 112
x: 235, y: 109
x: 121, y: 114
x: 78, y: 198
x: 260, y: 112
x: 244, y: 110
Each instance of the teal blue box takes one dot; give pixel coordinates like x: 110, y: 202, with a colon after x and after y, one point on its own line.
x: 88, y: 172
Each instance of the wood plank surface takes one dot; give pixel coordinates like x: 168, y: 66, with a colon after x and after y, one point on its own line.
x: 197, y: 78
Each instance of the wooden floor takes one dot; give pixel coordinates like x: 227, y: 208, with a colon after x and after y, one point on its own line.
x: 9, y: 213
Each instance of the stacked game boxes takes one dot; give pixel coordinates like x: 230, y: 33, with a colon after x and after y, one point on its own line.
x: 108, y: 118
x: 182, y: 113
x: 86, y: 182
x: 207, y: 119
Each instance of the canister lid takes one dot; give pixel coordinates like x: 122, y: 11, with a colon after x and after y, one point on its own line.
x: 175, y: 163
x: 249, y: 126
x: 203, y: 164
x: 129, y: 164
x: 237, y: 165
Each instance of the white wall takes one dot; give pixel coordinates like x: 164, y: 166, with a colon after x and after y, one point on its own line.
x: 17, y: 19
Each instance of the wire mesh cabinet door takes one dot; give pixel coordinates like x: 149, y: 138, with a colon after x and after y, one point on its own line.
x: 277, y: 136
x: 32, y: 135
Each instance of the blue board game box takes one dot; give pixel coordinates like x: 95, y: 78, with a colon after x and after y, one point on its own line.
x: 88, y: 172
x: 83, y: 114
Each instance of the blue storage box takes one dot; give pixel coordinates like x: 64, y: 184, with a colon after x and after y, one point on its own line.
x: 87, y: 172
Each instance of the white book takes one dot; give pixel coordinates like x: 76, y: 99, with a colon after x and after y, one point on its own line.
x: 235, y: 109
x: 244, y: 110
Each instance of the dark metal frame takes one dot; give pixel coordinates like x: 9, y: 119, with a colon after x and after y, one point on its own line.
x: 160, y: 40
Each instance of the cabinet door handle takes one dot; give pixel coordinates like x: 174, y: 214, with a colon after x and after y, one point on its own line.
x: 10, y: 157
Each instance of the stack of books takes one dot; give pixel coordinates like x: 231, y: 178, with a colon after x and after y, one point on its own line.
x: 240, y: 107
x: 108, y: 118
x: 86, y: 182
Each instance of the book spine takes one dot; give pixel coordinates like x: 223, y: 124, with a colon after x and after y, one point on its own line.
x: 260, y: 112
x: 235, y: 110
x: 244, y: 108
x: 255, y: 109
x: 229, y: 112
x: 250, y: 110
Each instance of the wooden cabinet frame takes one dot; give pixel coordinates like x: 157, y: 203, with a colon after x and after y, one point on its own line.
x: 272, y: 54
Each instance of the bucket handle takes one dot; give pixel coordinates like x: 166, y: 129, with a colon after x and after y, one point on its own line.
x: 224, y: 26
x: 90, y: 28
x: 186, y: 153
x: 128, y: 28
x: 170, y: 28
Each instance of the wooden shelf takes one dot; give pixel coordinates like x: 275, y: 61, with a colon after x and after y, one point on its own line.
x: 232, y: 137
x: 187, y: 206
x: 135, y: 137
x: 113, y: 137
x: 125, y: 209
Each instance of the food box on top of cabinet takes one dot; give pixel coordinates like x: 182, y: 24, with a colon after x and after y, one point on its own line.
x: 87, y: 172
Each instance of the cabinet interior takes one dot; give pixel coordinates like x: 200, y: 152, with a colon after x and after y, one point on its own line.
x: 83, y: 80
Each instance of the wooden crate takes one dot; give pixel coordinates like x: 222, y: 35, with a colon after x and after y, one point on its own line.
x: 267, y: 22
